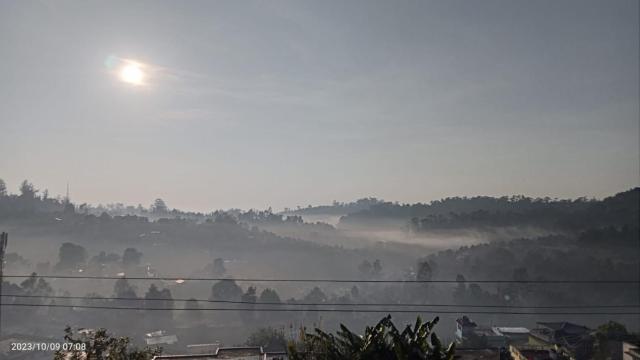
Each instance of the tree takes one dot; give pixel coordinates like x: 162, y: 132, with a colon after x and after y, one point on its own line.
x: 355, y: 292
x: 35, y: 288
x: 159, y: 207
x: 131, y: 257
x: 226, y: 290
x: 192, y: 310
x: 34, y: 285
x: 365, y: 268
x: 613, y: 330
x: 218, y: 267
x: 155, y: 298
x: 315, y: 296
x: 423, y: 271
x: 377, y: 268
x: 294, y: 219
x: 27, y: 190
x: 222, y: 217
x: 604, y: 337
x: 100, y: 345
x: 460, y: 291
x: 269, y: 296
x: 122, y: 289
x: 3, y: 188
x: 249, y: 297
x: 269, y: 338
x: 16, y: 259
x: 380, y: 342
x: 71, y: 256
x: 69, y: 208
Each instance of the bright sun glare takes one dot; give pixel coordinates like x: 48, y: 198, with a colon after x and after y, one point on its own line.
x: 132, y: 74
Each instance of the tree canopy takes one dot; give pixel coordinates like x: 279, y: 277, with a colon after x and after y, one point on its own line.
x: 380, y: 342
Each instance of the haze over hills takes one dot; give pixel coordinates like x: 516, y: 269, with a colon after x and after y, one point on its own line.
x: 459, y: 239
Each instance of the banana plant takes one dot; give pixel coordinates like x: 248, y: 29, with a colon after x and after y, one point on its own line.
x: 380, y: 342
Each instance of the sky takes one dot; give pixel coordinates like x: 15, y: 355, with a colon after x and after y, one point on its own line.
x: 250, y: 104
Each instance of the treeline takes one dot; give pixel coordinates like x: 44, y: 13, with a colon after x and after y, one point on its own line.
x: 30, y: 200
x: 59, y: 305
x: 223, y: 231
x: 336, y: 208
x: 74, y: 259
x: 489, y: 212
x: 268, y: 217
x: 546, y: 258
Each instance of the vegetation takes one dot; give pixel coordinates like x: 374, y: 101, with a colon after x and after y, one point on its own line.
x: 608, y: 336
x: 71, y: 256
x: 382, y: 341
x: 269, y: 338
x: 487, y: 212
x: 99, y: 345
x: 337, y: 208
x: 234, y: 244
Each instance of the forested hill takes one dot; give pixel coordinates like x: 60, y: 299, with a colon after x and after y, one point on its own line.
x: 482, y: 211
x: 337, y: 208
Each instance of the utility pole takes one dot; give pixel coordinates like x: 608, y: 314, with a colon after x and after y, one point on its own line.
x: 4, y: 239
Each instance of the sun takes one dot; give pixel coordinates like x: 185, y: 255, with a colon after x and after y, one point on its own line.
x: 132, y: 74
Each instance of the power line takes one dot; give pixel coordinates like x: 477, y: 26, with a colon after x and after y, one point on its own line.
x: 320, y: 310
x: 325, y: 304
x: 333, y: 280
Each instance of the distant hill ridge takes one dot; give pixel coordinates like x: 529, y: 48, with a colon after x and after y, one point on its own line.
x: 620, y: 209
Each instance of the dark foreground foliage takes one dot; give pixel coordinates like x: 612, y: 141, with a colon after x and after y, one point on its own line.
x: 382, y: 341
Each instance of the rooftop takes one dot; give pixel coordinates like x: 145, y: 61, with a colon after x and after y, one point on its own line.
x: 511, y: 330
x: 533, y: 352
x: 477, y: 354
x: 538, y: 354
x: 564, y: 326
x: 486, y: 331
x: 239, y: 353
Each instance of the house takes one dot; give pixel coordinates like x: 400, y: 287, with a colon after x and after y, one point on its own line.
x: 532, y: 352
x: 573, y: 340
x: 477, y: 354
x: 490, y: 339
x: 160, y: 337
x: 513, y: 335
x: 464, y: 328
x: 630, y: 351
x: 203, y: 348
x: 469, y: 334
x: 232, y: 353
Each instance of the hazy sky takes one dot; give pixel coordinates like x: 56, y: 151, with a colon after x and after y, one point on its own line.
x: 285, y: 103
